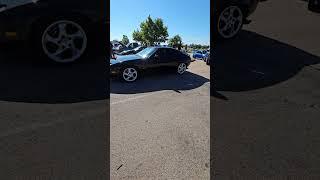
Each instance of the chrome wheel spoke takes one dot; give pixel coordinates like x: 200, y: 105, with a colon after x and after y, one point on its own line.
x: 223, y: 18
x: 232, y: 9
x: 62, y: 29
x: 49, y: 38
x: 74, y: 49
x: 59, y: 51
x: 77, y: 34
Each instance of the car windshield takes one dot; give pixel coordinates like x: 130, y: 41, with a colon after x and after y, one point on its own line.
x: 146, y: 52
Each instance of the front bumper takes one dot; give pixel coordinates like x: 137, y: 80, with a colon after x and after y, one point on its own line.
x: 14, y: 24
x: 11, y: 33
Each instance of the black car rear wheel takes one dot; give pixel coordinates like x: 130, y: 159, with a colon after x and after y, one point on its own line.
x: 182, y: 67
x: 228, y: 22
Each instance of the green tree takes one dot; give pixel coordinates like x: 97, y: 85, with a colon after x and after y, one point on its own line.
x: 125, y: 40
x: 137, y: 36
x: 151, y: 32
x: 176, y: 41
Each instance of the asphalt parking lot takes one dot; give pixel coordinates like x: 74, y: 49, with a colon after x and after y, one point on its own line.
x: 53, y: 118
x: 160, y: 126
x: 266, y: 101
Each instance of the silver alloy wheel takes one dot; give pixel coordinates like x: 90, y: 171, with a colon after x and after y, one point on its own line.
x: 230, y: 21
x: 182, y: 68
x: 64, y: 41
x: 130, y: 74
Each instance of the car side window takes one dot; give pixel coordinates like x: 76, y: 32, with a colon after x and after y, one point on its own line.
x: 157, y: 53
x: 174, y: 54
x: 162, y: 54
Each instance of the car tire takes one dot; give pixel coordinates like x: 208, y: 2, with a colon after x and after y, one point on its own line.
x: 61, y: 40
x: 228, y: 28
x: 181, y: 68
x: 129, y: 74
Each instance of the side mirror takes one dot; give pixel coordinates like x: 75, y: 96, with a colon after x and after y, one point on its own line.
x: 156, y: 56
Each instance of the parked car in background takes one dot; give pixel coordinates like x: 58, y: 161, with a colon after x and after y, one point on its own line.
x: 62, y: 31
x: 118, y: 46
x: 129, y: 67
x: 230, y: 15
x: 200, y: 54
x: 132, y: 45
x: 132, y: 51
x: 112, y: 56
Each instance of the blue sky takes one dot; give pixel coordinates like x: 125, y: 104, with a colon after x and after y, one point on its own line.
x: 188, y: 18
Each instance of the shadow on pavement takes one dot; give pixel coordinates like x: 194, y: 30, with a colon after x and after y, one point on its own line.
x: 157, y: 82
x: 252, y: 61
x: 269, y: 134
x: 25, y: 79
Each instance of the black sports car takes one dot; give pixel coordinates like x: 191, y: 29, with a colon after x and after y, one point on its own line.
x: 61, y: 30
x: 132, y: 51
x: 129, y: 67
x: 230, y: 15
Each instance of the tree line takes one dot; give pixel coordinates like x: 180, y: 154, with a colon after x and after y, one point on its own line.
x: 153, y: 32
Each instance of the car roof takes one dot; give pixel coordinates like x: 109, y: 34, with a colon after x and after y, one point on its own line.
x: 164, y: 47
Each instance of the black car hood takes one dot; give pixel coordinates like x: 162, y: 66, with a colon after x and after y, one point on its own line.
x: 121, y: 59
x: 127, y: 51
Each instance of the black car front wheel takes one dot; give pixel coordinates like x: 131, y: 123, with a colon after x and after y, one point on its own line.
x: 129, y: 74
x: 228, y: 21
x: 61, y: 40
